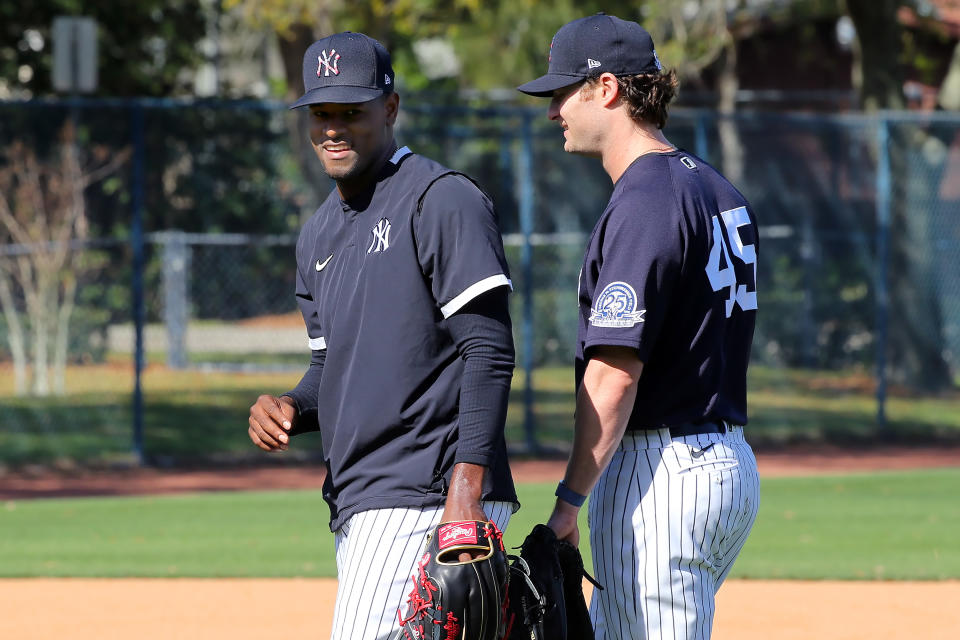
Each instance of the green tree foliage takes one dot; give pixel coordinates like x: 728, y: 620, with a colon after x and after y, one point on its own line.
x: 502, y: 43
x: 395, y: 23
x: 208, y: 168
x: 144, y: 46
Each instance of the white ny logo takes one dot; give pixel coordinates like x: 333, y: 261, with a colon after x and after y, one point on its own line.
x: 324, y: 62
x: 381, y: 237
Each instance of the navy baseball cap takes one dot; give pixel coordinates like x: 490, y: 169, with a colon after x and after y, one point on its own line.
x: 345, y: 67
x: 593, y: 45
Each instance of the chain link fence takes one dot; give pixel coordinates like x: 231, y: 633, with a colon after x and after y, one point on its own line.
x: 858, y: 336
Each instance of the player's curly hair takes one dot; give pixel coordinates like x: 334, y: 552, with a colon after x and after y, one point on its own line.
x: 648, y: 95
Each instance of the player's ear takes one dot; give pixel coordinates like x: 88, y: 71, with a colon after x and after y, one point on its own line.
x: 608, y: 89
x: 391, y: 105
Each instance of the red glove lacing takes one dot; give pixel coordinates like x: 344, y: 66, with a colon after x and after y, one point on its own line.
x: 417, y: 603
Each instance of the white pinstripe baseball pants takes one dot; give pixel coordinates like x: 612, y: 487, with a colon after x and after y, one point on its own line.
x: 667, y: 519
x: 377, y: 552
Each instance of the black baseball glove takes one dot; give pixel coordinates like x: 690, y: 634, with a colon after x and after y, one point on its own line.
x: 456, y: 599
x: 546, y: 590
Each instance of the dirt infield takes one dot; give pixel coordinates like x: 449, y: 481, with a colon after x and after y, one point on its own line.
x: 241, y: 609
x: 41, y: 483
x: 254, y: 609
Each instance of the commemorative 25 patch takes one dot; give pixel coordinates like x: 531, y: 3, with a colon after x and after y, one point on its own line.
x: 616, y: 306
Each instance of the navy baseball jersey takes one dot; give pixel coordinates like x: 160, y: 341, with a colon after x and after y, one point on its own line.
x: 376, y: 277
x: 670, y: 270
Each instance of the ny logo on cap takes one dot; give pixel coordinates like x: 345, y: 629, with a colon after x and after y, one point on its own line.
x: 324, y: 61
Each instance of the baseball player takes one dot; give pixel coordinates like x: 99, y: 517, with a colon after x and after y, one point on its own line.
x: 668, y: 300
x: 402, y: 283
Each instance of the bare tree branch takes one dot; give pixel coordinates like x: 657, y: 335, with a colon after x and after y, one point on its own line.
x: 42, y: 206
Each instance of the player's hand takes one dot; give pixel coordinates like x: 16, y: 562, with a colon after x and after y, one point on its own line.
x: 457, y: 510
x: 463, y: 499
x: 563, y: 521
x: 271, y: 420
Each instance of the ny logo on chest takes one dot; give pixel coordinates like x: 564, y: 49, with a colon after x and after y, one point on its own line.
x: 381, y: 237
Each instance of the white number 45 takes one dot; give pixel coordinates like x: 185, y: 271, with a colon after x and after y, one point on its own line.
x: 743, y: 294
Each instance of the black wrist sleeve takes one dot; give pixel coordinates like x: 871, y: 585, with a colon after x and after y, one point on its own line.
x: 483, y: 335
x: 306, y: 395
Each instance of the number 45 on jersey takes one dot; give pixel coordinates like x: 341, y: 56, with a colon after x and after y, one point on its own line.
x: 741, y: 282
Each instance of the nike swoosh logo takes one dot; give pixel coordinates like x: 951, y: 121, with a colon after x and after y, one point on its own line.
x: 321, y: 265
x: 699, y: 454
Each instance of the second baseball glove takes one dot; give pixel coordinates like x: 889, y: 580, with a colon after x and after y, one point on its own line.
x: 456, y: 599
x: 546, y: 593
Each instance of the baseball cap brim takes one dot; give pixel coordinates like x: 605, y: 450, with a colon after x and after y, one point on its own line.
x: 544, y: 86
x: 338, y: 94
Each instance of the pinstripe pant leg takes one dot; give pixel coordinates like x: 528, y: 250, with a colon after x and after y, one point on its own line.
x: 665, y: 527
x: 377, y: 551
x: 749, y: 503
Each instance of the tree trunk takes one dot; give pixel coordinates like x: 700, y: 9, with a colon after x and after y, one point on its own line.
x: 916, y: 340
x: 39, y: 308
x: 730, y: 144
x: 949, y: 97
x: 291, y: 51
x: 62, y: 340
x: 15, y: 338
x: 879, y: 45
x: 41, y: 379
x: 292, y: 47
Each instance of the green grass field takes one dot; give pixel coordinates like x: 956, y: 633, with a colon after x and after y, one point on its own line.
x: 892, y: 526
x: 899, y: 526
x: 196, y: 416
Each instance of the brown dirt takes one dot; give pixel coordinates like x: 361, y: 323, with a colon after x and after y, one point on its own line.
x: 241, y: 609
x: 253, y: 609
x: 39, y: 483
x: 292, y: 320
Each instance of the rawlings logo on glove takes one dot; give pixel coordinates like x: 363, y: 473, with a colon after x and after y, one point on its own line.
x: 457, y: 533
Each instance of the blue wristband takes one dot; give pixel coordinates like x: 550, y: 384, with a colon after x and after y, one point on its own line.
x: 569, y: 496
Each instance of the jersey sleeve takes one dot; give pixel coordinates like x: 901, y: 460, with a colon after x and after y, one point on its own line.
x: 458, y: 243
x: 639, y: 257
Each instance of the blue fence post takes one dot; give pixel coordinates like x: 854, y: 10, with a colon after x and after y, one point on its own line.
x: 526, y: 203
x: 700, y: 137
x: 176, y: 270
x: 883, y: 257
x: 136, y: 241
